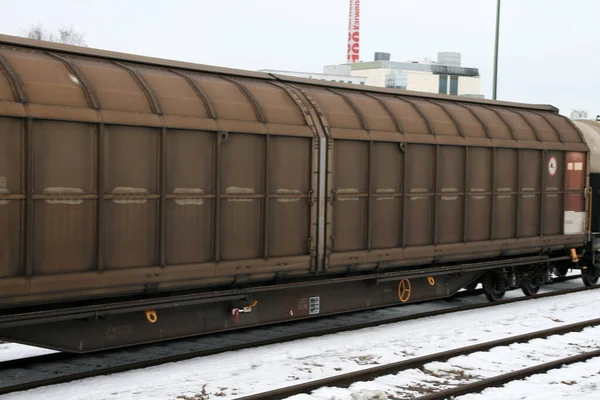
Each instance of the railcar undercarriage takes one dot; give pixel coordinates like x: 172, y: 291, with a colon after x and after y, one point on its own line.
x: 95, y: 326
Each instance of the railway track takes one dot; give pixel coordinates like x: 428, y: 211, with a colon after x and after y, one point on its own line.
x: 28, y: 373
x: 369, y: 374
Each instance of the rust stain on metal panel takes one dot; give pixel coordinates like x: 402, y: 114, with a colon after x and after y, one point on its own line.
x: 4, y: 191
x: 63, y: 191
x: 477, y: 190
x: 188, y: 201
x: 385, y: 191
x: 131, y: 191
x: 288, y: 192
x: 232, y: 190
x: 346, y: 192
x: 447, y: 195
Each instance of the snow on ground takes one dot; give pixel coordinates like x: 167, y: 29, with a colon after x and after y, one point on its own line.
x: 470, y: 368
x: 10, y: 351
x: 233, y: 374
x: 575, y: 381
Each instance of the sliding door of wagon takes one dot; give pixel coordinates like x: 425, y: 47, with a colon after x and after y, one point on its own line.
x: 367, y: 186
x: 350, y: 195
x: 575, y: 204
x: 264, y: 197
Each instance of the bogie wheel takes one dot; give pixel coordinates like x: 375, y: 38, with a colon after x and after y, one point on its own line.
x: 490, y: 287
x: 588, y: 278
x: 561, y: 272
x: 529, y: 289
x: 471, y: 287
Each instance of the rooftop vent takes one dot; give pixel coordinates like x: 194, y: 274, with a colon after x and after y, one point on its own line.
x: 379, y: 56
x: 449, y: 58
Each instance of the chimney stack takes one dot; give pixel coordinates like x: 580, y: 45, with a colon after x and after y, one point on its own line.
x: 353, y: 32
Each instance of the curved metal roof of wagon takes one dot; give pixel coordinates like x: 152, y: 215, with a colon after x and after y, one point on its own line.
x: 591, y: 132
x: 57, y: 81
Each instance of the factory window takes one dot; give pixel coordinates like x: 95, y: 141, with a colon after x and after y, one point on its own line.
x: 362, y: 83
x: 443, y: 84
x: 349, y: 81
x: 454, y: 85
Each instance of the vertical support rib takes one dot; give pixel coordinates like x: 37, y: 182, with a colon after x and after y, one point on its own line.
x: 217, y: 205
x: 14, y: 80
x: 529, y: 124
x: 494, y: 195
x: 370, y: 197
x: 466, y: 184
x: 564, y: 205
x: 354, y: 107
x: 163, y: 197
x: 266, y: 199
x: 418, y: 110
x: 510, y: 129
x: 257, y: 108
x: 436, y: 162
x: 542, y: 190
x: 29, y: 211
x: 101, y: 205
x: 200, y: 92
x: 405, y: 192
x: 519, y: 193
x: 144, y: 86
x: 402, y: 188
x: 486, y: 129
x: 449, y: 114
x: 395, y: 119
x: 556, y: 131
x: 88, y: 91
x: 23, y: 203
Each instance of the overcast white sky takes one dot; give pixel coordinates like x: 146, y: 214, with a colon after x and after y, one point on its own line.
x: 549, y: 49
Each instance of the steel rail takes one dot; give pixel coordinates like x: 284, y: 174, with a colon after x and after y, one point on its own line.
x: 62, y: 359
x: 345, y: 380
x: 508, y: 377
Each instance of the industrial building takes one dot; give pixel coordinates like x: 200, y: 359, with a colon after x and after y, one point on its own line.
x: 331, y: 73
x: 445, y: 76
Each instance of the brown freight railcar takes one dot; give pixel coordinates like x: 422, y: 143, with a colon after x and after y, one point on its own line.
x: 123, y: 175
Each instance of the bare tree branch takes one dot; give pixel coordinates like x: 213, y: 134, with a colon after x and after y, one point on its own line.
x: 65, y: 35
x: 70, y: 36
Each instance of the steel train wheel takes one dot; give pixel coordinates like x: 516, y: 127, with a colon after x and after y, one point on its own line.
x: 561, y: 272
x: 491, y: 283
x: 472, y: 286
x: 588, y: 278
x: 529, y: 289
